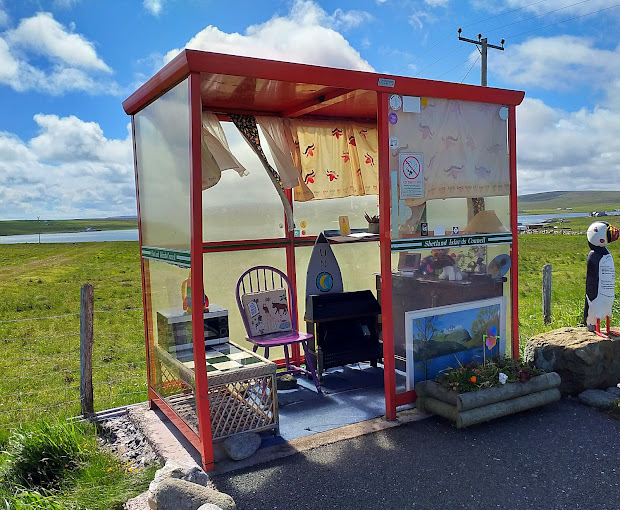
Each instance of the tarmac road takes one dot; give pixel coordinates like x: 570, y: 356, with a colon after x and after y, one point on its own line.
x: 562, y: 456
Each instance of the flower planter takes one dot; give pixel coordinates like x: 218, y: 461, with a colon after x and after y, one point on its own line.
x: 473, y: 407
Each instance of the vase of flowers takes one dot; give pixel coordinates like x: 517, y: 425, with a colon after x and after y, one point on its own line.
x: 479, y: 392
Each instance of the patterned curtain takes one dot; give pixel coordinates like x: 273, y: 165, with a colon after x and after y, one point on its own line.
x: 246, y: 124
x: 337, y: 158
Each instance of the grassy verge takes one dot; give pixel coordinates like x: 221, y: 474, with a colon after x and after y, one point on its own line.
x: 40, y: 358
x: 57, y: 465
x: 18, y: 227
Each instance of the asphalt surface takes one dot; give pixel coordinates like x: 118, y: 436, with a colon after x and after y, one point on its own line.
x: 561, y: 456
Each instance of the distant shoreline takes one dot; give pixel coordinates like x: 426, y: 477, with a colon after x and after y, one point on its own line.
x: 25, y: 227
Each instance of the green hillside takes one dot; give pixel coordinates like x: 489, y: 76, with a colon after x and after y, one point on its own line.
x: 17, y: 227
x: 580, y: 201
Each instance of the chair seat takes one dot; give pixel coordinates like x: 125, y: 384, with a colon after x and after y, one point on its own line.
x: 281, y: 338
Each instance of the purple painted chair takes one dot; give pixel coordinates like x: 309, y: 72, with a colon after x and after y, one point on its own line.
x: 264, y: 298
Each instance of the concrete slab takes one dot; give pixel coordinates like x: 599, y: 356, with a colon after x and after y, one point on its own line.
x: 170, y: 444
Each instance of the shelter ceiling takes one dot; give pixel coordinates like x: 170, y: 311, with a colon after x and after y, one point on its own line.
x: 228, y: 94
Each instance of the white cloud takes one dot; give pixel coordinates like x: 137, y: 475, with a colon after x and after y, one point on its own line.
x: 43, y: 35
x: 307, y: 35
x: 437, y: 3
x: 567, y: 150
x: 418, y: 18
x: 69, y: 170
x: 65, y: 61
x: 561, y: 62
x: 154, y: 7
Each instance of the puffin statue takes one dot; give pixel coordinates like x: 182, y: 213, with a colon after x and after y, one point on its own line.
x: 600, y: 277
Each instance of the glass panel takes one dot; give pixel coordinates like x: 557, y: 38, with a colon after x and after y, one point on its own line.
x: 316, y: 216
x: 448, y: 150
x: 162, y: 153
x: 220, y: 284
x: 170, y: 343
x: 449, y: 173
x: 239, y: 208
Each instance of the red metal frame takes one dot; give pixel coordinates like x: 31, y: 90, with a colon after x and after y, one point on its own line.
x: 200, y: 369
x: 316, y: 92
x: 514, y: 211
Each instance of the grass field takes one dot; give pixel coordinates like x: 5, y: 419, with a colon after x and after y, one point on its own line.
x: 40, y: 359
x: 18, y: 227
x: 579, y: 201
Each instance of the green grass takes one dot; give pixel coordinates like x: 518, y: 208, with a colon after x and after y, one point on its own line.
x: 18, y: 227
x: 57, y: 465
x: 567, y: 256
x: 580, y: 201
x: 40, y: 358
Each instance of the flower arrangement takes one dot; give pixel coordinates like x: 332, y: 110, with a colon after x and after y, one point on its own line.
x: 495, y: 372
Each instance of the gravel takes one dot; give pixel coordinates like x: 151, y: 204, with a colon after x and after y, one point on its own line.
x: 120, y: 437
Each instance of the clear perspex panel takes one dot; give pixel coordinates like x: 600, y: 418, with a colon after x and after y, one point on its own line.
x: 163, y: 166
x: 450, y: 234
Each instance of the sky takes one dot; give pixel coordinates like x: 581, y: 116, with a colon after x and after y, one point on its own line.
x: 67, y: 65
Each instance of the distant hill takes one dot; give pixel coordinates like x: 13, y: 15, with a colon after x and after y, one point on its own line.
x: 579, y: 201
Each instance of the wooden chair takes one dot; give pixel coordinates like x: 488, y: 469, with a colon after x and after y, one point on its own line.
x: 265, y: 300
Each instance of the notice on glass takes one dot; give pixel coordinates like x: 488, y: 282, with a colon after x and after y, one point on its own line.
x: 411, y: 175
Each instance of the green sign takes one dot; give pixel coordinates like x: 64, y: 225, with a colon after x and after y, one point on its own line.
x: 433, y: 243
x: 177, y: 257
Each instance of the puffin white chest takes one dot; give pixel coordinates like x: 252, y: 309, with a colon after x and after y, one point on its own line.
x: 606, y: 277
x: 600, y: 307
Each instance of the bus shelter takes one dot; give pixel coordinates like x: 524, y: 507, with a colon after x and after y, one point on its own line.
x: 241, y: 162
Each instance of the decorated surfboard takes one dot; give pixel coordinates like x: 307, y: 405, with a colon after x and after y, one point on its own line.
x: 323, y: 271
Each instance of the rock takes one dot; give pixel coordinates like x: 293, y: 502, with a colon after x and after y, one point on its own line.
x: 286, y: 382
x: 176, y: 494
x: 582, y: 359
x: 241, y: 446
x: 597, y: 398
x: 183, y: 471
x: 614, y: 390
x: 209, y: 506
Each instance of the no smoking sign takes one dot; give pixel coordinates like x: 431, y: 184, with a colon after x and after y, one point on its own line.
x: 411, y: 175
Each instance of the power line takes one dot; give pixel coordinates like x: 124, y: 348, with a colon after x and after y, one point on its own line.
x: 472, y: 66
x: 468, y: 25
x: 564, y: 21
x: 459, y: 65
x: 538, y: 15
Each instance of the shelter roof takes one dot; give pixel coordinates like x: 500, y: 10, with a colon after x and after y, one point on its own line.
x: 231, y: 84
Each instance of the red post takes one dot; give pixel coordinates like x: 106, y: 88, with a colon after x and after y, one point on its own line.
x: 198, y: 333
x: 385, y: 250
x: 514, y: 211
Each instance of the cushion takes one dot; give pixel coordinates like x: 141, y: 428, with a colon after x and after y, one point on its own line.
x: 267, y: 311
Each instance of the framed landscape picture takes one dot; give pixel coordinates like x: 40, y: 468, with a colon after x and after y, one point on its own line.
x: 446, y: 336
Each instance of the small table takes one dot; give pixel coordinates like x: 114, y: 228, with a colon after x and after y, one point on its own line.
x: 242, y: 389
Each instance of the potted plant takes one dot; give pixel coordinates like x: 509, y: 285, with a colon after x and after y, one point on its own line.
x: 373, y: 223
x: 479, y: 392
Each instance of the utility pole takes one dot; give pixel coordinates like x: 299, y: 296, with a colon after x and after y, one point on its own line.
x: 484, y: 45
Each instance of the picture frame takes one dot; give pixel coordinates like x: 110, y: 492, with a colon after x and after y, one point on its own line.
x: 446, y: 336
x: 409, y: 261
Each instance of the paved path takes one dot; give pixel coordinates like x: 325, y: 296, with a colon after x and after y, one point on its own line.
x: 562, y: 456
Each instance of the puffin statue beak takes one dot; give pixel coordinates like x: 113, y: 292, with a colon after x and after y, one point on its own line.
x: 612, y: 233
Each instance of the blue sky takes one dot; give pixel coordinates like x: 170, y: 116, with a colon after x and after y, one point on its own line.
x: 67, y: 65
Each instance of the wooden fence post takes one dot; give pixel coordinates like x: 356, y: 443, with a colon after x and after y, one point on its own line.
x: 547, y: 293
x: 86, y: 350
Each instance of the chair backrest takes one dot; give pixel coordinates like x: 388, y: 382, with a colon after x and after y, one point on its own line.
x: 266, y: 302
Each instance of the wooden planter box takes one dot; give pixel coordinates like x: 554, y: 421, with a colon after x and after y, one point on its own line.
x: 473, y: 407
